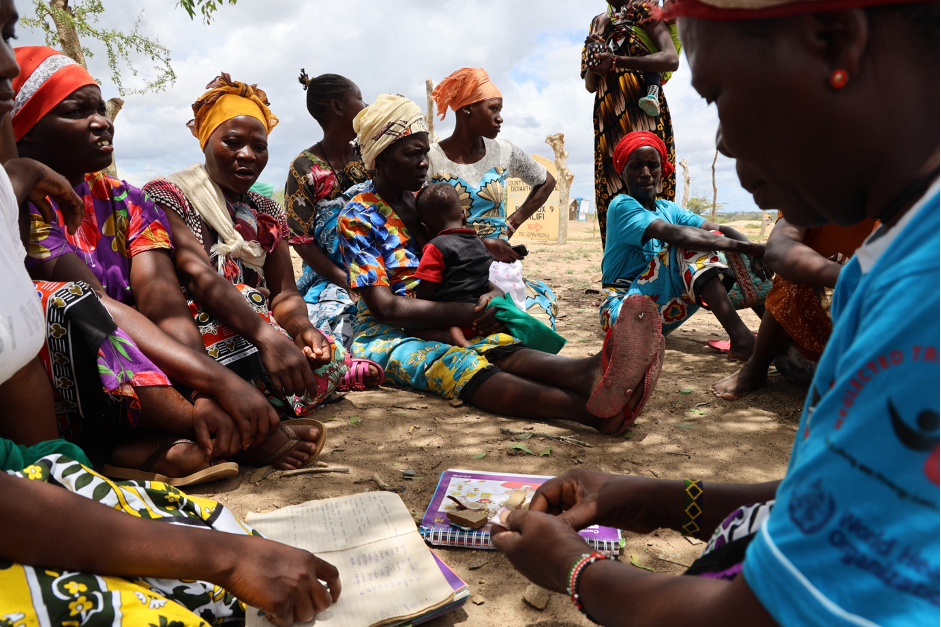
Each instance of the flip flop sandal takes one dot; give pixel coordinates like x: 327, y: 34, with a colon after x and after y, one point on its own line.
x: 285, y: 427
x: 216, y: 472
x: 637, y: 340
x: 357, y: 371
x: 650, y: 383
x: 722, y: 346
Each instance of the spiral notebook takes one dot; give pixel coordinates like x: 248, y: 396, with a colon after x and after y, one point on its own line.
x: 491, y: 489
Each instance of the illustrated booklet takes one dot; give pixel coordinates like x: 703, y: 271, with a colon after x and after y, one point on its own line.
x: 490, y: 489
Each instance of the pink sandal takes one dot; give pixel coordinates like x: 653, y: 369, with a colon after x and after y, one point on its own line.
x: 357, y: 371
x: 637, y: 335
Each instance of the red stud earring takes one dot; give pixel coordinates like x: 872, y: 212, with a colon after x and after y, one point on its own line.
x: 839, y: 78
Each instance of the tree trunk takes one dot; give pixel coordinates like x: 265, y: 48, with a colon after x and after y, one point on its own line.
x: 683, y: 164
x: 112, y: 108
x: 68, y: 35
x: 564, y: 183
x: 430, y: 112
x: 715, y: 190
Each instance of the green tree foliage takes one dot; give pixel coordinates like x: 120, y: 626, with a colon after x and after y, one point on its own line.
x: 58, y: 20
x: 701, y: 206
x: 205, y: 7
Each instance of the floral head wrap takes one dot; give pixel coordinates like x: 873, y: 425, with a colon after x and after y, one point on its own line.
x: 463, y: 87
x: 227, y: 99
x: 390, y: 118
x: 639, y: 139
x: 47, y: 77
x: 735, y: 10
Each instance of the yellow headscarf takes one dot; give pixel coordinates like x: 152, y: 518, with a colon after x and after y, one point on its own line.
x: 227, y: 99
x: 390, y: 118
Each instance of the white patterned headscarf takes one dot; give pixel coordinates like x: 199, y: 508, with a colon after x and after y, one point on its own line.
x: 390, y: 118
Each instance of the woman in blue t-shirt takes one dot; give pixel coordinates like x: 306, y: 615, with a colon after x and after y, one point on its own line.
x: 669, y: 254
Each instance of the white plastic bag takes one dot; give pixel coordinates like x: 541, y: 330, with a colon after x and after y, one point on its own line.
x: 509, y: 278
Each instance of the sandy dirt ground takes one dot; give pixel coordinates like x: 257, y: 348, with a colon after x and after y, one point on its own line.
x: 684, y: 432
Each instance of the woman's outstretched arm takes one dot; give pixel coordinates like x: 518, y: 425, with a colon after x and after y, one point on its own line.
x: 48, y: 526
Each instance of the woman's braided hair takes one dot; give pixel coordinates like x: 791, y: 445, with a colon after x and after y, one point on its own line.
x: 322, y: 90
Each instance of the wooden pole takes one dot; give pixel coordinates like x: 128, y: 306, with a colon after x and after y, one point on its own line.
x: 430, y: 112
x: 563, y: 184
x: 715, y: 190
x: 683, y: 164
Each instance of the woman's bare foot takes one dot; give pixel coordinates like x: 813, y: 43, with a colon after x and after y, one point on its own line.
x: 742, y: 346
x: 159, y: 453
x: 294, y: 457
x: 746, y: 380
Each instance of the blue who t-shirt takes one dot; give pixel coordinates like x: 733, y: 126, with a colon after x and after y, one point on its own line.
x: 627, y: 252
x: 853, y: 538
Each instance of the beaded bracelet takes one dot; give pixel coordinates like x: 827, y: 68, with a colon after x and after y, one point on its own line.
x: 693, y: 509
x: 576, y: 574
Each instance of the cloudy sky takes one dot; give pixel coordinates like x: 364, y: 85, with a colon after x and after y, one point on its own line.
x: 530, y: 50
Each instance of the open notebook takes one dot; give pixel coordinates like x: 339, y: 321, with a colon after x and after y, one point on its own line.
x: 388, y: 573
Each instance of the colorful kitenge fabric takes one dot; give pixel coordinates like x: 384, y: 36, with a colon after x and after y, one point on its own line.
x: 724, y: 555
x: 616, y: 113
x: 378, y: 250
x: 93, y: 365
x: 670, y: 281
x: 252, y: 213
x: 119, y: 221
x: 481, y: 186
x: 376, y: 246
x: 242, y: 357
x: 419, y: 364
x: 313, y: 196
x: 50, y: 596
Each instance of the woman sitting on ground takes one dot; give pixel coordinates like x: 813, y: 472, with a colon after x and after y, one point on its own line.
x: 850, y: 537
x: 806, y: 265
x: 232, y: 257
x: 122, y: 251
x: 667, y: 253
x: 477, y: 164
x: 380, y: 237
x: 313, y: 199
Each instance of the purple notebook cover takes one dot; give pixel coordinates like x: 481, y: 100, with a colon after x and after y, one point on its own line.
x: 441, y: 532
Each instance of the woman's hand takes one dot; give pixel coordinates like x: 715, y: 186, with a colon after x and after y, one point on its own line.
x: 315, y: 346
x: 760, y: 269
x: 486, y: 322
x: 216, y: 432
x: 500, y: 249
x: 34, y: 181
x: 281, y: 581
x: 605, y: 63
x: 585, y: 497
x: 285, y: 364
x: 540, y: 546
x: 251, y: 412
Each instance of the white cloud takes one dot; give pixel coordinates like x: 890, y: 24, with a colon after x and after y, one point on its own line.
x: 531, y: 51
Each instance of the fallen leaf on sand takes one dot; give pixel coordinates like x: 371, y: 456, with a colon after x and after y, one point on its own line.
x: 355, y: 420
x: 636, y: 562
x: 546, y: 452
x: 686, y: 390
x: 521, y: 447
x: 479, y: 455
x: 523, y: 436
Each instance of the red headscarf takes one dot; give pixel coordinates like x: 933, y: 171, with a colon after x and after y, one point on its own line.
x: 47, y: 77
x: 639, y: 139
x: 735, y: 10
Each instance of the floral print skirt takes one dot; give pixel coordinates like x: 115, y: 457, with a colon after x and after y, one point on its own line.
x: 672, y: 280
x: 49, y: 596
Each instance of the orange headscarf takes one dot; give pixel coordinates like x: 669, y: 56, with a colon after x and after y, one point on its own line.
x: 47, y: 77
x: 227, y: 99
x: 463, y: 87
